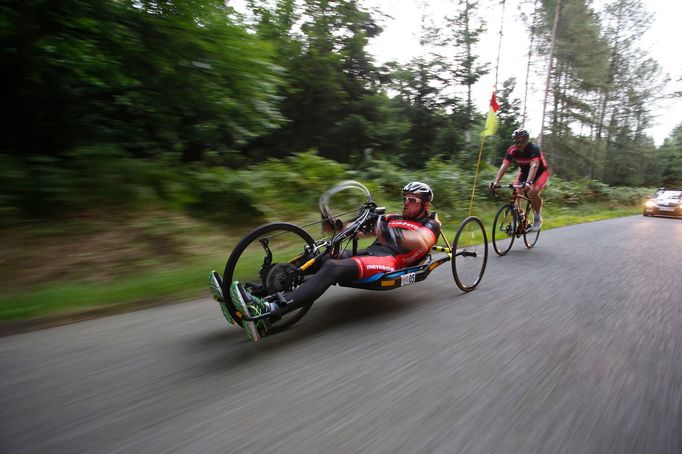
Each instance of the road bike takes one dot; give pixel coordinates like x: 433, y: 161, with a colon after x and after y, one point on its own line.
x: 280, y: 256
x: 512, y: 222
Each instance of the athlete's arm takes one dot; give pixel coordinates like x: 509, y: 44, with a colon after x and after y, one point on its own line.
x: 502, y: 171
x: 420, y: 238
x: 423, y: 239
x: 535, y: 163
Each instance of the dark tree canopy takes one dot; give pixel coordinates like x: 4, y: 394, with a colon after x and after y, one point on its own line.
x: 196, y: 83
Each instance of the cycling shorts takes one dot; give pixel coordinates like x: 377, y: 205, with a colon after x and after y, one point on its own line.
x: 369, y: 265
x: 539, y: 183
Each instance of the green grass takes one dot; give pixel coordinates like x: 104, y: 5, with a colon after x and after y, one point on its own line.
x: 71, y: 297
x: 186, y: 280
x: 565, y: 216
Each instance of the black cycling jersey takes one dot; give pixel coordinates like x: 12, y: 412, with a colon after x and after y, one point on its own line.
x: 524, y: 158
x: 395, y: 221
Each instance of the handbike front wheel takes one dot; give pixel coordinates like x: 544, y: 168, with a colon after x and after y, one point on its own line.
x: 530, y: 237
x: 266, y: 262
x: 504, y: 229
x: 470, y: 254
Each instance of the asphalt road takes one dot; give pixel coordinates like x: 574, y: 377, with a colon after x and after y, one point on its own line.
x: 574, y: 346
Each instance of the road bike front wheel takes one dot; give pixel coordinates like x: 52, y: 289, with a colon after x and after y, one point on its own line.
x: 470, y: 253
x: 265, y: 262
x: 504, y: 229
x: 530, y: 237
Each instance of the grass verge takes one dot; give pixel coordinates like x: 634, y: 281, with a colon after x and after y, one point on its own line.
x: 59, y: 302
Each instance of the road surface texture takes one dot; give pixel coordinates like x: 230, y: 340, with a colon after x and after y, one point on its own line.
x: 574, y: 346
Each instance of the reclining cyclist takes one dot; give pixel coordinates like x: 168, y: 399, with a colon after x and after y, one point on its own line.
x: 533, y: 171
x: 401, y: 241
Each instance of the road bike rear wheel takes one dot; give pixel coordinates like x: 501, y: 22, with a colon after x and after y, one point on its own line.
x: 504, y: 229
x: 470, y: 254
x: 530, y: 237
x: 265, y: 262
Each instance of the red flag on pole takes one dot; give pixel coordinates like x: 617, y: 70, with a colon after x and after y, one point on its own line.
x: 491, y: 123
x: 493, y: 103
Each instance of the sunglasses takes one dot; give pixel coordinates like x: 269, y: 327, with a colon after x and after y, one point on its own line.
x: 520, y: 142
x: 411, y: 199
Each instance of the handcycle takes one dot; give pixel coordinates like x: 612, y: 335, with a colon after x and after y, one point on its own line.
x: 279, y: 256
x: 512, y: 222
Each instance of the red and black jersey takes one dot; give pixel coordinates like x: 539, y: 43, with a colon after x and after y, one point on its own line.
x: 407, y: 257
x: 525, y: 157
x: 384, y: 257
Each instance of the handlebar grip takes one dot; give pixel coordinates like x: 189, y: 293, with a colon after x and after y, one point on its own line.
x: 380, y: 210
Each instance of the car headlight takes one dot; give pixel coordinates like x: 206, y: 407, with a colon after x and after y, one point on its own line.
x: 649, y: 204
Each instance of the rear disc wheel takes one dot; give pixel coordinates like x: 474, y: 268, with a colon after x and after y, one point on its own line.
x: 265, y: 262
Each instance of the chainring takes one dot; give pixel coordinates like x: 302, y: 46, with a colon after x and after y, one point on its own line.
x: 282, y: 277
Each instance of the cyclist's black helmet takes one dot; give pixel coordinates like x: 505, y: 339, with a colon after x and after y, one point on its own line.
x: 422, y: 189
x: 520, y: 134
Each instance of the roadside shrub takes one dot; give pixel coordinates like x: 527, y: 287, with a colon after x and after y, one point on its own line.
x: 383, y: 176
x: 560, y: 193
x: 222, y: 195
x: 43, y: 186
x: 105, y: 177
x: 14, y: 181
x: 449, y: 183
x: 292, y: 185
x: 628, y: 196
x: 594, y: 190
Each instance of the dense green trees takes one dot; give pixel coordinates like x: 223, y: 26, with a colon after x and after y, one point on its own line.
x: 150, y: 77
x: 103, y: 98
x: 603, y: 85
x: 328, y: 96
x: 463, y: 32
x: 669, y: 160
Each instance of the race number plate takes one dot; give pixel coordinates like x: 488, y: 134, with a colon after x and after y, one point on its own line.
x: 407, y: 279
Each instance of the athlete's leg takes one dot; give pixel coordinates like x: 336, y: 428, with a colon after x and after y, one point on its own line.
x: 520, y: 178
x: 534, y: 193
x: 339, y: 271
x: 331, y: 272
x: 535, y: 199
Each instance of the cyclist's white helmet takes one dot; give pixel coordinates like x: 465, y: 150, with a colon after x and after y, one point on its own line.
x: 520, y: 134
x: 422, y: 189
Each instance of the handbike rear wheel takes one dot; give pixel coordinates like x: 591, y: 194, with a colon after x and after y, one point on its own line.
x: 504, y: 229
x: 470, y: 253
x: 265, y: 262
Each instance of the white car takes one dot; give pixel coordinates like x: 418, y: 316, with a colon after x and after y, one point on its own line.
x: 666, y: 202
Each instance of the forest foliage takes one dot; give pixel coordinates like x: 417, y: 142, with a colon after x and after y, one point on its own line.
x: 201, y: 107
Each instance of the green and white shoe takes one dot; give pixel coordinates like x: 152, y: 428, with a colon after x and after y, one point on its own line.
x: 215, y: 284
x: 250, y: 306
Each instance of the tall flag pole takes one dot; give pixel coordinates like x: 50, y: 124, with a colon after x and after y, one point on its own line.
x: 499, y: 45
x: 491, y: 125
x: 491, y: 122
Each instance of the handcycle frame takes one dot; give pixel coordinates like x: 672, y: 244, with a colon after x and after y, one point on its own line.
x: 276, y: 278
x: 519, y: 221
